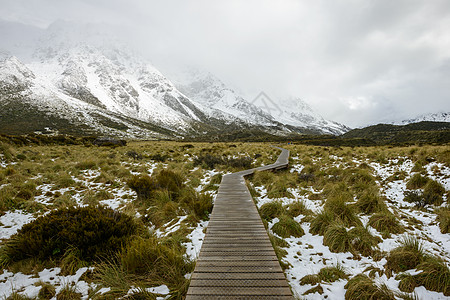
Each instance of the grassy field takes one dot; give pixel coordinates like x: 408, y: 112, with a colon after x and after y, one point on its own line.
x: 80, y: 221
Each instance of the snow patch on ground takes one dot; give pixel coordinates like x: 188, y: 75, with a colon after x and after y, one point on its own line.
x: 27, y: 284
x: 196, y: 238
x: 12, y: 221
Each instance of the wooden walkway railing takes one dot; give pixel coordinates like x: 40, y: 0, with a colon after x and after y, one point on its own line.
x: 237, y: 260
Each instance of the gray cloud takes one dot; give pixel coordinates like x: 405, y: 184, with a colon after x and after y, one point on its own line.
x: 357, y: 62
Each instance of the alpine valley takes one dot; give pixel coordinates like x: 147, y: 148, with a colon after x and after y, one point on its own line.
x: 79, y: 80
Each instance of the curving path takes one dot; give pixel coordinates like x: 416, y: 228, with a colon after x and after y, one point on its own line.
x: 237, y: 260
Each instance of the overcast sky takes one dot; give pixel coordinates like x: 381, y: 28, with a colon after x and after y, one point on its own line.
x: 357, y: 62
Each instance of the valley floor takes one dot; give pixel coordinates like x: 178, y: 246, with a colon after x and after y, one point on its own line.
x: 389, y: 196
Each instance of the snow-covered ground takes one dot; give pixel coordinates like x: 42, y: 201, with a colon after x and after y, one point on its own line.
x: 307, y: 254
x: 119, y: 196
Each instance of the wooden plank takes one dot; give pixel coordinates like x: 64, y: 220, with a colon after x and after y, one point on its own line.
x: 236, y: 297
x: 239, y: 282
x: 240, y: 291
x: 238, y: 276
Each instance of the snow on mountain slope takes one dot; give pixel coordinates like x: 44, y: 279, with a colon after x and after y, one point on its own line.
x: 208, y: 91
x: 82, y: 74
x: 216, y: 98
x: 298, y: 113
x: 433, y: 117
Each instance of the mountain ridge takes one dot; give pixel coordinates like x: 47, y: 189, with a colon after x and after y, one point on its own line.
x: 99, y: 88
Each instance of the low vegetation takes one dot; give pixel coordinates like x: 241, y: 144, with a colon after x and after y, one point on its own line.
x: 86, y: 233
x: 333, y: 207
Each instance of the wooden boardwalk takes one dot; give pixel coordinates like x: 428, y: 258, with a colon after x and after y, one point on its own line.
x: 237, y: 260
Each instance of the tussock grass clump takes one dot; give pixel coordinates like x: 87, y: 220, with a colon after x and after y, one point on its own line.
x: 297, y: 208
x: 326, y: 274
x: 370, y: 202
x: 356, y: 240
x: 69, y: 292
x: 279, y: 188
x: 165, y: 196
x: 287, y: 227
x: 443, y: 217
x: 47, y: 291
x: 321, y: 222
x: 435, y: 276
x: 272, y: 210
x: 265, y: 178
x: 342, y: 211
x: 337, y: 238
x: 196, y: 204
x: 417, y: 181
x: 408, y: 255
x: 431, y: 195
x: 386, y: 223
x: 361, y: 287
x: 338, y: 191
x: 146, y: 261
x: 311, y: 279
x: 86, y: 165
x: 363, y: 241
x: 94, y: 231
x: 433, y: 192
x: 333, y: 273
x: 143, y: 186
x: 278, y: 245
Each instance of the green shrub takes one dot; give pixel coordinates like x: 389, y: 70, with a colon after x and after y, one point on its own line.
x: 386, y: 223
x: 94, y: 231
x: 408, y: 255
x: 272, y: 210
x: 416, y: 181
x: 287, y: 227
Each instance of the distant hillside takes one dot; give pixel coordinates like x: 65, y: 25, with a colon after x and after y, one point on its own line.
x: 421, y: 132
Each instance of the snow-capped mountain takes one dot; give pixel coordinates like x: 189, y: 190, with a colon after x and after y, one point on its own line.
x: 213, y: 95
x: 433, y: 117
x: 80, y: 79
